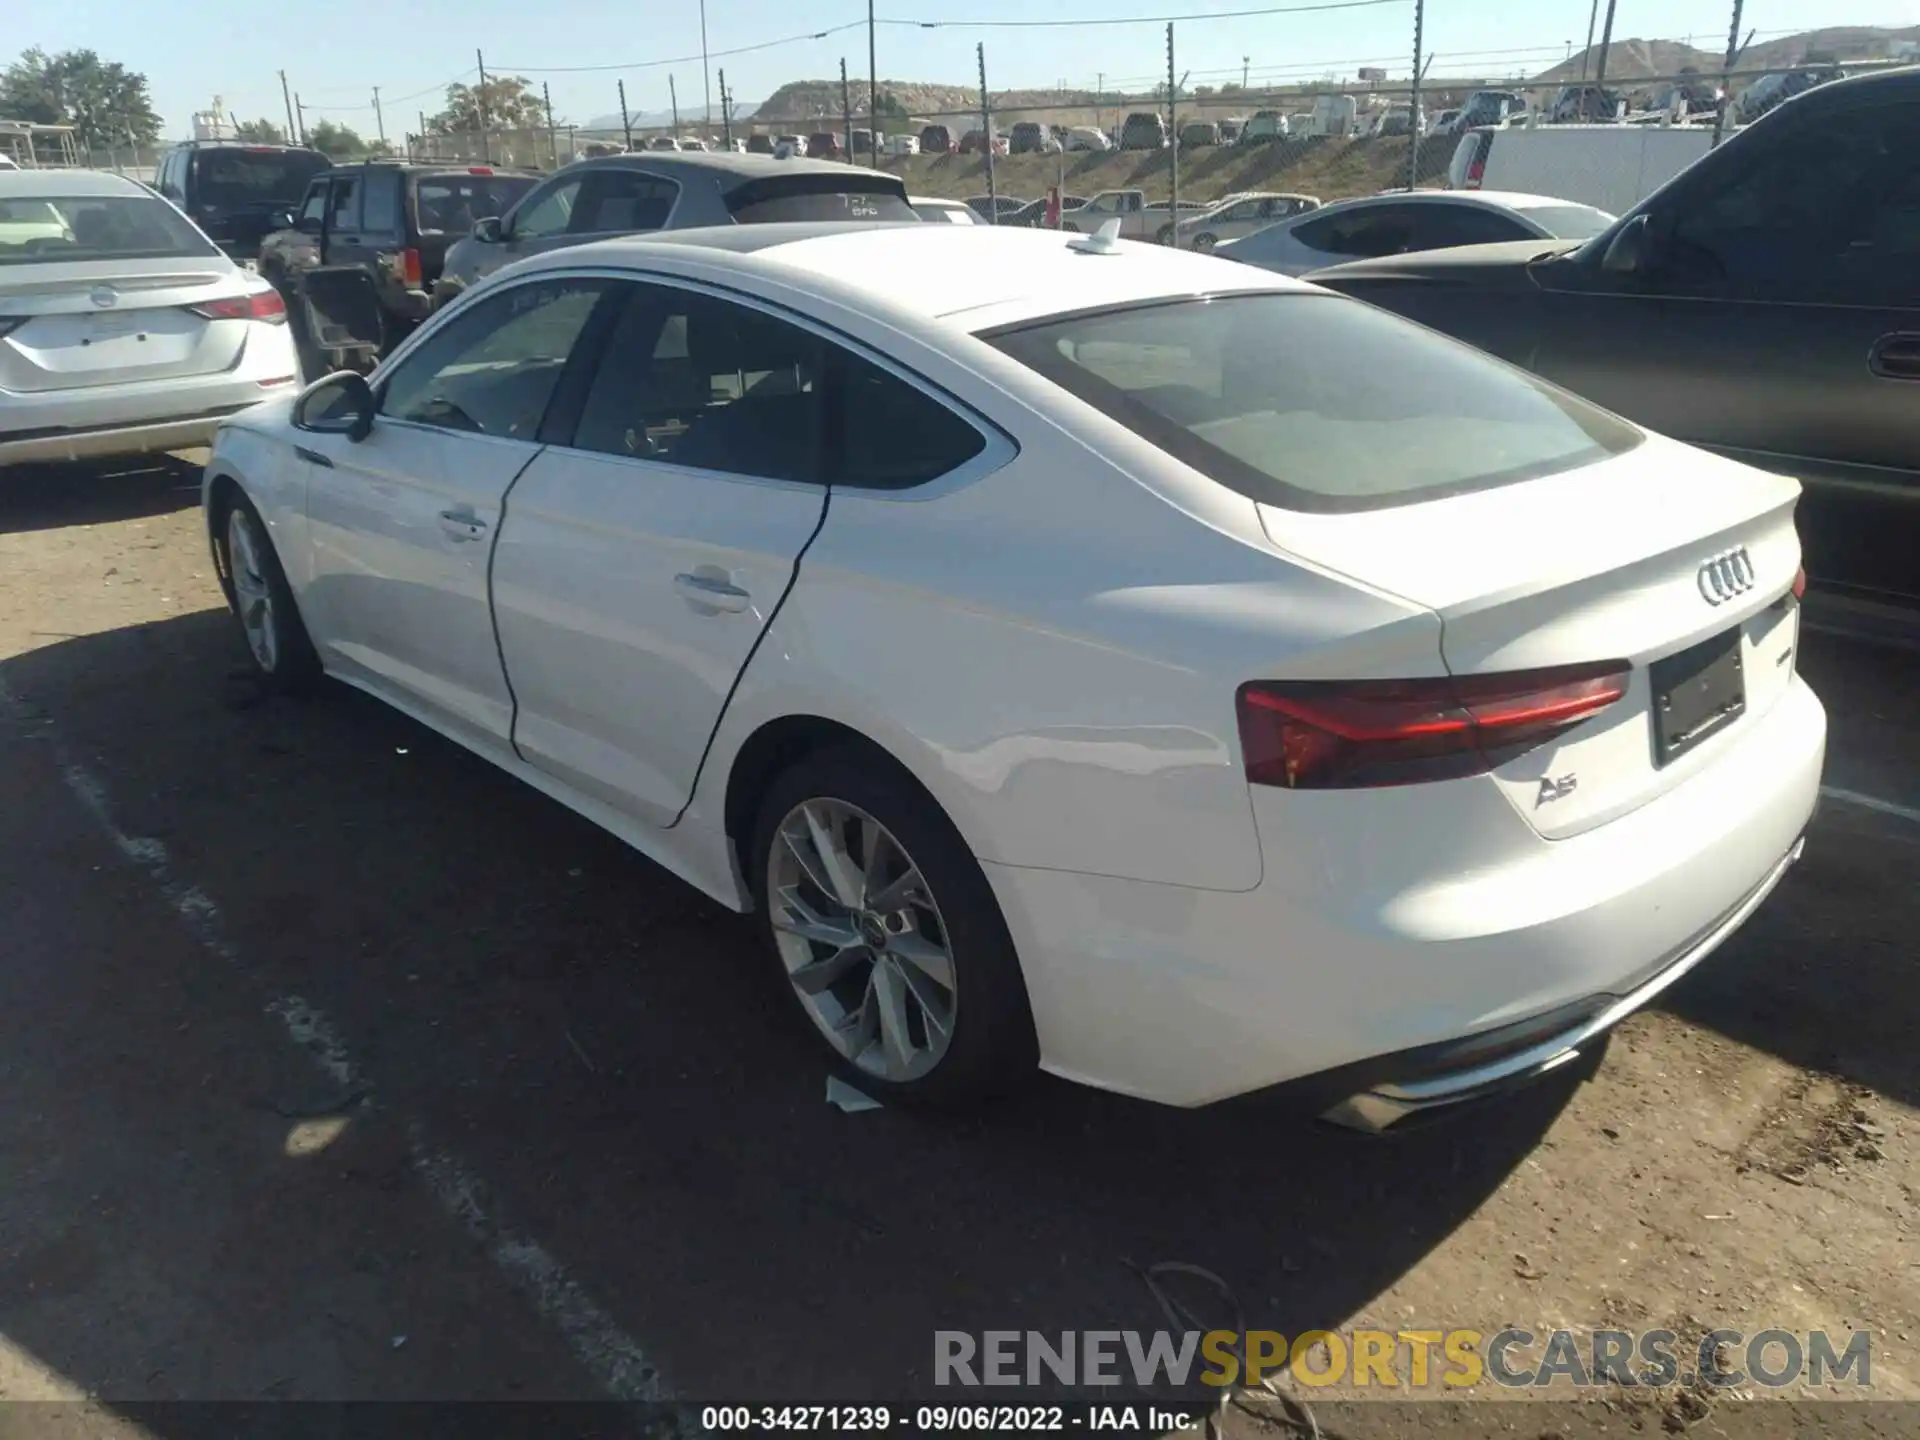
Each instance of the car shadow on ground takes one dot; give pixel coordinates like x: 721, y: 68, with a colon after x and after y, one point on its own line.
x: 614, y: 1055
x: 1824, y: 974
x: 92, y: 492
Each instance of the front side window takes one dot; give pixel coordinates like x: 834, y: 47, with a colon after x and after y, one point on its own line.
x: 690, y: 379
x: 1312, y: 402
x: 315, y: 208
x: 55, y: 229
x: 492, y: 369
x: 546, y: 214
x: 1831, y: 208
x: 345, y: 213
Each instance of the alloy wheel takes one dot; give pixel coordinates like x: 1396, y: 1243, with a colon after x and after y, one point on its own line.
x: 862, y: 939
x: 253, y: 596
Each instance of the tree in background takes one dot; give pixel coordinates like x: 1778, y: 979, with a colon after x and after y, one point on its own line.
x: 333, y: 139
x: 888, y: 107
x: 261, y: 132
x: 105, y: 102
x: 508, y: 101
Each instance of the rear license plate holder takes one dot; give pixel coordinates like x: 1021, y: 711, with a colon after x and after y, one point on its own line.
x: 1696, y: 694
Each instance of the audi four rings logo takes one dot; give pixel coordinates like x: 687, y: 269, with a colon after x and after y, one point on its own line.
x: 1725, y: 576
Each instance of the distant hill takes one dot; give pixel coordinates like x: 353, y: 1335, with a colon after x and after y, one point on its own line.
x: 662, y: 119
x: 1643, y: 59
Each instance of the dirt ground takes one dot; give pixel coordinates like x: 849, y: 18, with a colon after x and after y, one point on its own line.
x: 339, y: 1066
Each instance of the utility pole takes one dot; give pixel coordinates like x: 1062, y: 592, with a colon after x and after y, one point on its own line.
x: 846, y: 109
x: 626, y: 124
x: 673, y: 104
x: 1606, y: 44
x: 1246, y: 61
x: 1586, y: 55
x: 287, y: 95
x: 726, y: 110
x: 873, y: 95
x: 986, y: 128
x: 1099, y: 93
x: 706, y: 79
x: 423, y: 135
x: 379, y: 120
x: 480, y: 109
x: 553, y: 141
x: 1173, y: 139
x: 1413, y: 147
x: 300, y: 120
x: 1726, y: 74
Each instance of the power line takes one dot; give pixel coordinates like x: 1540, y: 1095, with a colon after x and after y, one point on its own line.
x: 682, y: 59
x: 1190, y: 18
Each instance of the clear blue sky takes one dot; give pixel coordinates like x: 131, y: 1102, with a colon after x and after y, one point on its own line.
x: 334, y: 53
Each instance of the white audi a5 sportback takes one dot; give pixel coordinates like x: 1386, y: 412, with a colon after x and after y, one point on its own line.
x: 1067, y: 663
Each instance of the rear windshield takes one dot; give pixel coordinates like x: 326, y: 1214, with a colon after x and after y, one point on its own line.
x: 249, y: 177
x: 449, y: 204
x: 1569, y: 222
x: 54, y: 228
x: 1313, y: 402
x: 819, y: 197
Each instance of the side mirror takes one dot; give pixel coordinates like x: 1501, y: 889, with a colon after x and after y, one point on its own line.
x: 1631, y: 251
x: 338, y: 405
x: 281, y: 220
x: 488, y: 231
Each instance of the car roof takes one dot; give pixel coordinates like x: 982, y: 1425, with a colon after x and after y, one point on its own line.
x: 1485, y: 199
x: 67, y: 184
x: 970, y: 277
x: 729, y: 167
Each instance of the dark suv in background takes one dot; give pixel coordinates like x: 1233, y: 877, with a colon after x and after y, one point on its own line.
x: 233, y: 191
x: 394, y: 220
x: 1764, y: 304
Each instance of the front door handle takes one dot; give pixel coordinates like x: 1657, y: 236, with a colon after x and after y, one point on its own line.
x: 462, y: 524
x: 708, y: 592
x: 1896, y: 356
x: 313, y: 457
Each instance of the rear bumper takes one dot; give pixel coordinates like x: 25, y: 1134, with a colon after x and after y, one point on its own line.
x: 1492, y: 1062
x: 1390, y: 926
x: 114, y: 440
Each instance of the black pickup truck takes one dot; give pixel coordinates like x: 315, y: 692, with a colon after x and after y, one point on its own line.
x: 396, y: 221
x: 1764, y: 303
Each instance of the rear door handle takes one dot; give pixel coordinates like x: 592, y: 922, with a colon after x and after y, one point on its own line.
x: 462, y: 524
x: 711, y: 593
x: 1896, y: 356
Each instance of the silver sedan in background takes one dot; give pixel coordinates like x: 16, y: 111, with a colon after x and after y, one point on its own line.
x: 1399, y: 222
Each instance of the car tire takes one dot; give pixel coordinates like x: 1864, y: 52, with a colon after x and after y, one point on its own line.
x: 1164, y: 236
x: 832, y: 827
x: 276, y: 639
x: 1205, y: 240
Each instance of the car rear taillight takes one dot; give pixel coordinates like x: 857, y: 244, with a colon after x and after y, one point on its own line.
x: 1476, y: 172
x: 1799, y: 576
x: 480, y: 170
x: 1335, y: 735
x: 267, y: 306
x: 410, y: 267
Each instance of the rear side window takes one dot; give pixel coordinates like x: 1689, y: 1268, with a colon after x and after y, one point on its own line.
x: 893, y: 435
x: 1365, y: 233
x: 1442, y: 227
x: 346, y: 203
x: 449, y: 204
x: 1311, y: 402
x: 818, y: 197
x: 622, y: 200
x: 382, y: 205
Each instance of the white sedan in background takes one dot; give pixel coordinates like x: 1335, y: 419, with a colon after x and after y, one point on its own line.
x: 943, y: 212
x: 1402, y: 221
x: 1075, y: 654
x: 123, y: 329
